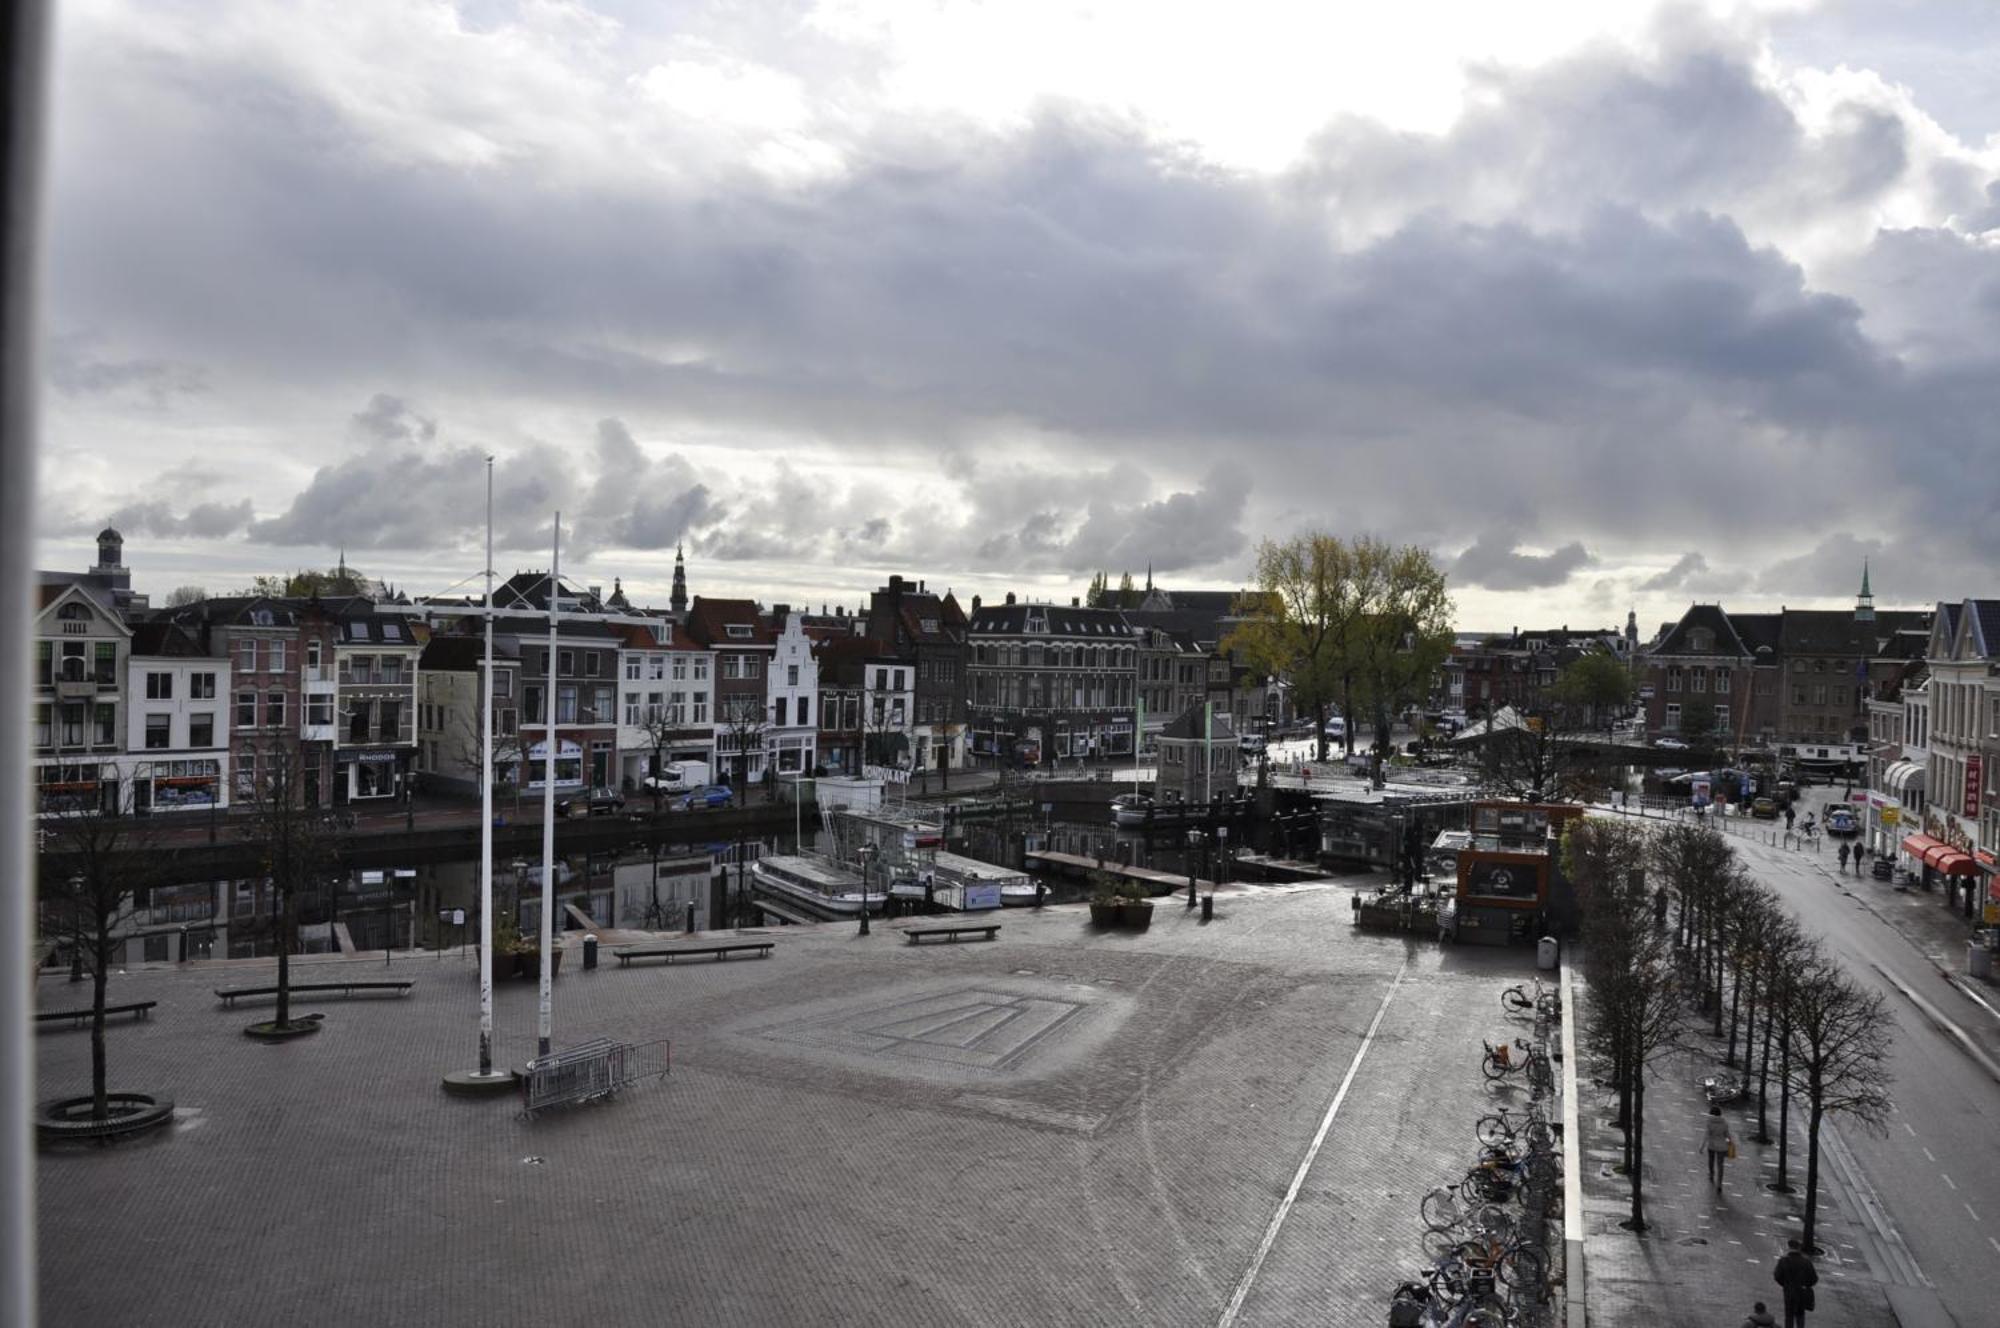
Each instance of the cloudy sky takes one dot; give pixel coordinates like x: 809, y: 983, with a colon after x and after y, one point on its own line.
x: 1609, y: 305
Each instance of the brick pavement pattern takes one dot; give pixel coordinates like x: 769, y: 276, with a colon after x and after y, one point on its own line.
x: 1064, y: 1127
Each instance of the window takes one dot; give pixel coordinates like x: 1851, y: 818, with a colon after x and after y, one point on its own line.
x: 567, y: 661
x: 738, y: 631
x: 1722, y: 682
x: 631, y: 710
x: 246, y: 710
x: 780, y: 711
x: 791, y: 675
x: 312, y: 660
x: 392, y: 721
x: 1673, y: 716
x: 392, y: 669
x: 531, y: 703
x: 1819, y: 693
x: 274, y: 710
x: 159, y: 687
x: 591, y: 661
x: 319, y: 710
x: 358, y: 720
x: 676, y: 711
x: 701, y: 668
x: 1697, y: 680
x: 105, y: 654
x: 753, y: 667
x: 159, y: 732
x: 246, y: 655
x: 503, y: 682
x: 700, y: 715
x: 603, y: 703
x: 1798, y: 693
x: 44, y: 726
x: 632, y: 666
x: 246, y: 787
x: 277, y: 654
x: 732, y: 666
x: 805, y: 711
x: 201, y: 686
x: 1674, y: 678
x: 363, y: 667
x: 392, y: 631
x: 566, y: 704
x: 1722, y: 720
x: 660, y: 666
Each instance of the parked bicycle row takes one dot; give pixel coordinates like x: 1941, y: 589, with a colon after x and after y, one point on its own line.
x: 1486, y: 1236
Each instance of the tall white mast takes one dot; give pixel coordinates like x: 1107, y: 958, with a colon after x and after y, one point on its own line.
x: 549, y: 797
x: 486, y: 810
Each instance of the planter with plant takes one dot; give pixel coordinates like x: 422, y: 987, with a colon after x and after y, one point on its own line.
x: 1135, y: 909
x: 1105, y: 901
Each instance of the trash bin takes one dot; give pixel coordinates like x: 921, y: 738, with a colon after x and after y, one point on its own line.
x: 1546, y: 952
x: 589, y: 952
x: 1979, y: 958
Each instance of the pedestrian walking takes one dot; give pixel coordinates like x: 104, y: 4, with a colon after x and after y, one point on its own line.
x: 1715, y: 1141
x: 1843, y: 858
x: 1759, y: 1317
x: 1796, y: 1274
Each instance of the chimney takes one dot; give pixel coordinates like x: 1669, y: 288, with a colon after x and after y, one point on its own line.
x: 780, y: 611
x: 920, y: 585
x: 1010, y: 597
x: 895, y: 584
x: 1074, y: 601
x: 975, y: 603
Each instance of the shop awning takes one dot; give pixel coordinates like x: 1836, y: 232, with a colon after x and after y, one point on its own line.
x: 1918, y: 845
x: 1952, y: 863
x: 1903, y: 778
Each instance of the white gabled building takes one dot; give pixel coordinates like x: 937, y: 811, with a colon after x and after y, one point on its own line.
x: 178, y: 728
x: 791, y: 733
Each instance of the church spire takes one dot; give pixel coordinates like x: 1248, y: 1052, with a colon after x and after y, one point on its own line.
x: 1864, y: 603
x: 678, y: 602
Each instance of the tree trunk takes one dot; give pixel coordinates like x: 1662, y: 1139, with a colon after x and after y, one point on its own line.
x: 1749, y: 1020
x: 1812, y: 1176
x: 1319, y: 729
x: 1718, y: 982
x: 100, y: 1102
x: 1638, y: 1137
x: 1735, y: 1005
x: 1764, y: 1083
x: 279, y: 910
x: 1784, y: 1181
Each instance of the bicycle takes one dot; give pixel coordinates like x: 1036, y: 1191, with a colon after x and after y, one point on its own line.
x: 1499, y: 1062
x: 1516, y: 1000
x: 1504, y: 1128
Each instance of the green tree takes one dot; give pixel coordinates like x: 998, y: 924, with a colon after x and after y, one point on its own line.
x: 1094, y: 596
x: 1312, y: 609
x: 1400, y: 638
x: 1594, y: 687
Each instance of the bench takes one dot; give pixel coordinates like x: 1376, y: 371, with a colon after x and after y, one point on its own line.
x: 721, y: 950
x: 953, y: 930
x: 228, y: 995
x: 139, y: 1008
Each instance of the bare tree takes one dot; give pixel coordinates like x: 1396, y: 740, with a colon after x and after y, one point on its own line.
x: 658, y: 730
x: 1635, y: 1001
x: 97, y: 866
x: 182, y: 596
x: 299, y: 849
x: 1757, y: 914
x: 1778, y: 956
x: 509, y: 751
x: 1839, y: 1041
x: 743, y: 724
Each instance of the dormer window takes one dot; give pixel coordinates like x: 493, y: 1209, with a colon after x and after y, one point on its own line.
x: 260, y: 618
x: 392, y: 631
x: 738, y: 631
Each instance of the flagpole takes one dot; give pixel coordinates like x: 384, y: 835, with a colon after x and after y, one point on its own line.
x: 550, y: 691
x: 485, y: 1080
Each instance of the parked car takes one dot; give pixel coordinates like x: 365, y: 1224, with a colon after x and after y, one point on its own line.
x: 597, y: 802
x: 1670, y: 744
x: 1765, y: 808
x: 1336, y: 727
x: 1842, y: 822
x: 712, y: 795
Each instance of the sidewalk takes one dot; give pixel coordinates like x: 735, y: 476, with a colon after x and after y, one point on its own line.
x: 1708, y: 1257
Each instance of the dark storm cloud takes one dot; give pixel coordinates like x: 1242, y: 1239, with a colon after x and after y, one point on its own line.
x: 1551, y: 315
x: 1495, y: 561
x: 202, y: 521
x: 1688, y: 565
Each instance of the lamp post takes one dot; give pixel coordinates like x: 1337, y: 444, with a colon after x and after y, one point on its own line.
x: 867, y: 855
x: 1194, y: 838
x: 1222, y: 853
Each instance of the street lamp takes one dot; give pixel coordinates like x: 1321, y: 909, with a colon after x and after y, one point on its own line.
x: 1194, y: 838
x: 867, y: 854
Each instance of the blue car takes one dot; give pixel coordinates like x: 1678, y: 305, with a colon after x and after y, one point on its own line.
x: 713, y: 795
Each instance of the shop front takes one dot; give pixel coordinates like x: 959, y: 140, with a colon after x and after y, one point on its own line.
x: 177, y: 786
x: 568, y: 764
x: 370, y: 774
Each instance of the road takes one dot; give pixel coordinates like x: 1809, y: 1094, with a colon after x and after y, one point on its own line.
x: 1937, y: 1171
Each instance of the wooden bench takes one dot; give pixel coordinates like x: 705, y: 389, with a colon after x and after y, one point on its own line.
x: 139, y: 1008
x: 954, y: 930
x: 721, y: 950
x: 228, y: 995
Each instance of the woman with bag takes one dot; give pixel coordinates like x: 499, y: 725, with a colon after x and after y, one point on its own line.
x: 1717, y: 1144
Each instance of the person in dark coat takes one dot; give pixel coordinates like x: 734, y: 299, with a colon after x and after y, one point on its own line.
x: 1796, y: 1274
x: 1760, y: 1317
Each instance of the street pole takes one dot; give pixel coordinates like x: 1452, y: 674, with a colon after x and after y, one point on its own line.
x: 867, y: 854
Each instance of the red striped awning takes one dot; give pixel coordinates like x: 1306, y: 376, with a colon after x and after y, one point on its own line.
x: 1918, y: 845
x: 1953, y: 863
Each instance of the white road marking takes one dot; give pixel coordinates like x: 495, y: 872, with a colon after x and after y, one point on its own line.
x: 1994, y: 1243
x: 1948, y: 1180
x: 1943, y: 1024
x: 1929, y: 1156
x: 1907, y: 1126
x: 1235, y: 1305
x: 1974, y: 1211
